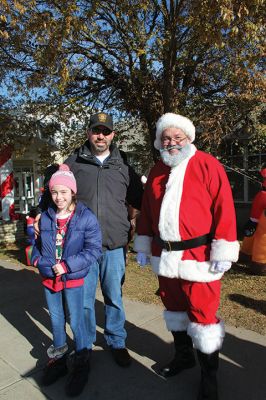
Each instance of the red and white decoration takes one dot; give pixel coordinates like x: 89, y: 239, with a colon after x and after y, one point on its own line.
x: 7, y: 184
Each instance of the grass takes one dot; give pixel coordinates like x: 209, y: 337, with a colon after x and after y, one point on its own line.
x: 243, y: 299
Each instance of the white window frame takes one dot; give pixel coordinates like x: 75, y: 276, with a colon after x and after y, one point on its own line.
x: 24, y: 194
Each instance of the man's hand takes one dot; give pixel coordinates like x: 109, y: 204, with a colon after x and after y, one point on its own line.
x: 36, y: 225
x: 220, y: 266
x: 58, y: 269
x: 142, y: 259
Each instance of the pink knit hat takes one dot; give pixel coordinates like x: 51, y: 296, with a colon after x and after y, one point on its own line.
x: 63, y: 177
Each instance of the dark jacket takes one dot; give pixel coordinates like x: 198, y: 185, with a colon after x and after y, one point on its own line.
x: 82, y: 245
x: 107, y: 189
x: 46, y: 198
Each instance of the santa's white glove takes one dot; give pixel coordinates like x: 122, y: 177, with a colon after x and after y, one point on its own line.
x: 220, y: 266
x: 142, y: 259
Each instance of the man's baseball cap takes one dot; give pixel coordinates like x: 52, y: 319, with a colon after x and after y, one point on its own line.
x: 101, y: 119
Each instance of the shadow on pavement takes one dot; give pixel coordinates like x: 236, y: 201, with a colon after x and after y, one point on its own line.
x: 23, y: 305
x: 242, y: 369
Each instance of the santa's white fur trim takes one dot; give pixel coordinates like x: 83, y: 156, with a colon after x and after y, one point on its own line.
x: 206, y: 338
x: 171, y: 266
x: 169, y: 211
x: 170, y: 206
x: 176, y: 321
x: 222, y: 250
x: 142, y: 244
x: 171, y: 120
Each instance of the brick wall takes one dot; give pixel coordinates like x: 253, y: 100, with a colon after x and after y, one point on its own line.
x: 11, y: 232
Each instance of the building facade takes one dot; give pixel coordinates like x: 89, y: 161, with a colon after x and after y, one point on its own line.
x: 20, y: 185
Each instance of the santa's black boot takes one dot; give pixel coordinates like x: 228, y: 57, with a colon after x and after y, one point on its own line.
x: 79, y: 374
x: 209, y: 365
x: 184, y: 355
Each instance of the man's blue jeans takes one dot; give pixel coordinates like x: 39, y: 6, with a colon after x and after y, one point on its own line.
x: 74, y: 300
x: 110, y: 268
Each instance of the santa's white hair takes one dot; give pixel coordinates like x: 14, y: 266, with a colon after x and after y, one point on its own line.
x: 171, y: 120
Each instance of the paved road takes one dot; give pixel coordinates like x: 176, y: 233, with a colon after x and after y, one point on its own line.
x: 24, y: 327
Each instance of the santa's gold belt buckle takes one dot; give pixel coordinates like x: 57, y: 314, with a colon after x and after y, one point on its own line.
x: 168, y: 246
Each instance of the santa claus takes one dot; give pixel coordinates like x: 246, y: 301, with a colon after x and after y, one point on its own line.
x: 187, y: 228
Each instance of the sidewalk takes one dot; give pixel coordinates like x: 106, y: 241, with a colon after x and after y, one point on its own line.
x: 24, y: 327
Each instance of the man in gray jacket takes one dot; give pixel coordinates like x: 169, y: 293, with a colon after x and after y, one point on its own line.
x: 108, y: 186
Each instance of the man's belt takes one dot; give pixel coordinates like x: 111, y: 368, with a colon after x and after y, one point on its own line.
x: 184, y: 244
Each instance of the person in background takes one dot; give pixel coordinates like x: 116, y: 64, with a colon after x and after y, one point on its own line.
x: 110, y: 187
x: 69, y: 242
x: 30, y: 234
x: 187, y: 227
x: 253, y: 247
x: 45, y: 198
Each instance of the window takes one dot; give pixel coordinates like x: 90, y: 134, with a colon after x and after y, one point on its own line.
x: 244, y: 175
x: 23, y: 188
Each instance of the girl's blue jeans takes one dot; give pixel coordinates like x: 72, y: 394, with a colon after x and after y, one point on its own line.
x: 74, y: 300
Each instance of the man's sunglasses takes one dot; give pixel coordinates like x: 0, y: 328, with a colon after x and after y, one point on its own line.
x: 104, y: 131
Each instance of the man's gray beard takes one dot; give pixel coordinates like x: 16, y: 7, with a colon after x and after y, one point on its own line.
x: 97, y: 150
x: 172, y: 160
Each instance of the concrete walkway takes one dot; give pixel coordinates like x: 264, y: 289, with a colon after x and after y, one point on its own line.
x: 25, y: 335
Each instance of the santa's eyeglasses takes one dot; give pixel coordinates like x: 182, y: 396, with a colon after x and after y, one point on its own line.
x: 176, y: 140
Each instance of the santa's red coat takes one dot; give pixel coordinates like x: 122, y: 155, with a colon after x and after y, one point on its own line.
x: 184, y: 202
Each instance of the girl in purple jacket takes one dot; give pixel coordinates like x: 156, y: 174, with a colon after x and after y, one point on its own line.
x: 69, y: 242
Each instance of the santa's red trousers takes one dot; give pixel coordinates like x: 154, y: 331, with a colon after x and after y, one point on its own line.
x: 199, y: 299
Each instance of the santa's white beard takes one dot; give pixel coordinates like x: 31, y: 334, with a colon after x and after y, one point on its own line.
x: 172, y: 160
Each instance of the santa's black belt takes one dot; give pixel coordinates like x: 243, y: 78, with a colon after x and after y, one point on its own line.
x: 184, y: 244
